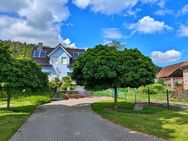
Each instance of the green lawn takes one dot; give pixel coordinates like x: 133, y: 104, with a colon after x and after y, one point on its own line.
x: 167, y: 124
x: 21, y: 108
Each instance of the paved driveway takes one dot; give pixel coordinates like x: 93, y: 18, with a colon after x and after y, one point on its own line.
x: 73, y: 120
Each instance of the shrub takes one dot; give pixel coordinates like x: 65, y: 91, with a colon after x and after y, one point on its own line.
x: 63, y: 87
x: 63, y: 95
x: 71, y: 87
x: 66, y: 79
x: 153, y: 88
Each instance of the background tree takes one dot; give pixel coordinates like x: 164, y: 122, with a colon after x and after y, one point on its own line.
x: 105, y: 67
x: 116, y: 44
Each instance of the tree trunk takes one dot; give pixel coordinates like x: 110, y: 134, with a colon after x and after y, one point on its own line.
x: 55, y: 90
x: 115, y: 97
x: 8, y: 99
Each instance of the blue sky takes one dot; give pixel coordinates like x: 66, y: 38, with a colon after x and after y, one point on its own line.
x: 158, y: 28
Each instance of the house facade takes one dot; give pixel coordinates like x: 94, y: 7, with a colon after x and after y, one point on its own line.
x: 58, y: 61
x: 175, y: 75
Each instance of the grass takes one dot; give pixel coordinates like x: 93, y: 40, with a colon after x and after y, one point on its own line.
x: 22, y: 107
x: 167, y: 124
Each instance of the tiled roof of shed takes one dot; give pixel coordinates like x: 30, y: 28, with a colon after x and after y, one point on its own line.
x: 168, y: 70
x: 185, y: 64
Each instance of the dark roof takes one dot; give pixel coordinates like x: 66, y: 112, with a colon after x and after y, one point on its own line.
x: 168, y: 70
x: 71, y: 50
x: 45, y: 61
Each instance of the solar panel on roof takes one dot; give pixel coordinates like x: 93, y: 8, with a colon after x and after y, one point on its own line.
x: 42, y: 54
x: 39, y: 54
x: 36, y: 54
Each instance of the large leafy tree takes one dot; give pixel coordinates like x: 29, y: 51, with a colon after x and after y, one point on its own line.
x: 105, y: 67
x: 19, y: 73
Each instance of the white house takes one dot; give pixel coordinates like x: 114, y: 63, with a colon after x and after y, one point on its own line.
x: 57, y: 62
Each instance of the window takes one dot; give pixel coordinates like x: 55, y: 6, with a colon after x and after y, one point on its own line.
x: 64, y: 60
x: 55, y: 60
x: 75, y: 55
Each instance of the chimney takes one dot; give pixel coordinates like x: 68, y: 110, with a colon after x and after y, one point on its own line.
x: 40, y: 45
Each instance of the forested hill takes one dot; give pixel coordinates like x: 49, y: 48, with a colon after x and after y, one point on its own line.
x: 18, y: 48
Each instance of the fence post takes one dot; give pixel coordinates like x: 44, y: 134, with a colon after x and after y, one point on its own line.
x: 112, y: 93
x: 167, y: 98
x: 149, y: 97
x: 135, y: 95
x: 125, y: 93
x: 117, y: 92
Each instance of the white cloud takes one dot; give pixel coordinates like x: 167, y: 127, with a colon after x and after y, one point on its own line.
x: 162, y: 3
x: 183, y: 30
x: 110, y: 7
x: 184, y: 10
x: 163, y: 12
x: 113, y: 6
x: 148, y: 25
x: 12, y: 6
x: 106, y: 7
x: 149, y: 1
x: 67, y: 42
x: 112, y: 34
x: 81, y: 3
x: 165, y: 57
x: 37, y: 21
x: 131, y: 12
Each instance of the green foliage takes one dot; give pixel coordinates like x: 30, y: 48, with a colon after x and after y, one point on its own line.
x: 63, y: 87
x: 72, y: 87
x: 105, y: 66
x: 66, y: 79
x: 55, y: 83
x: 6, y: 63
x: 161, y: 81
x: 67, y: 84
x: 63, y: 95
x: 155, y: 88
x: 18, y: 49
x: 29, y: 74
x: 16, y: 74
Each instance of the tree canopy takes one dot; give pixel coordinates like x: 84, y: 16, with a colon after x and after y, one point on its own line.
x: 107, y: 66
x: 19, y: 73
x: 104, y: 66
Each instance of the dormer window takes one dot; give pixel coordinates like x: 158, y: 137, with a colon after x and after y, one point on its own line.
x: 75, y: 55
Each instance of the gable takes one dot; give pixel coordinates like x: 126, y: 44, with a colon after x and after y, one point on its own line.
x: 58, y: 48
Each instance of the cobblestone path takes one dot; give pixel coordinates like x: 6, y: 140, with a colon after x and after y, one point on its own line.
x: 73, y: 120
